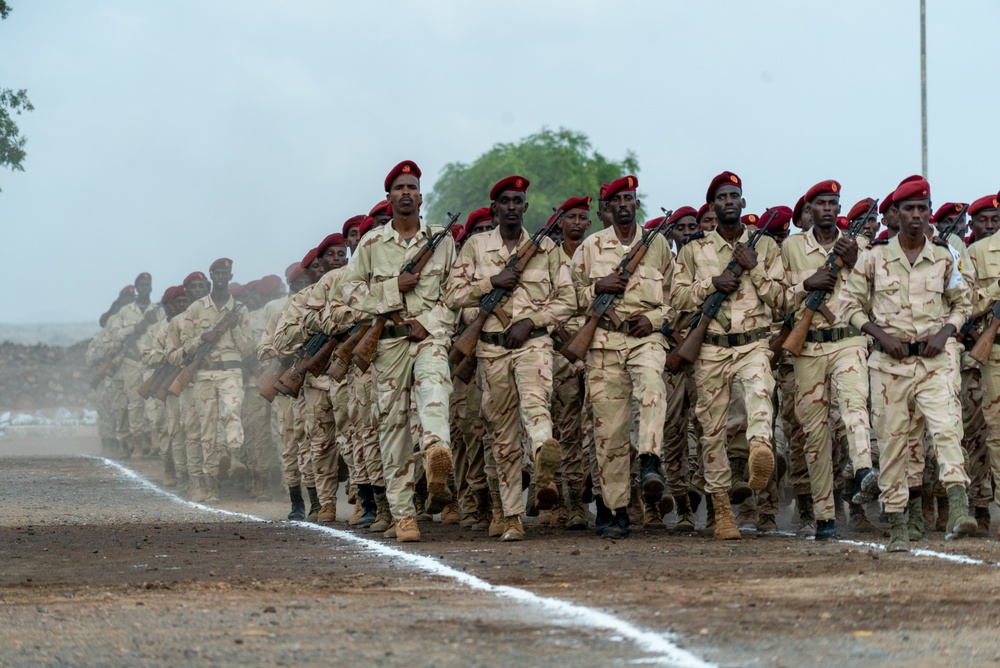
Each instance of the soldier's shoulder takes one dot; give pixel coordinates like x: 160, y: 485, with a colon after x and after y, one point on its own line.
x: 700, y: 234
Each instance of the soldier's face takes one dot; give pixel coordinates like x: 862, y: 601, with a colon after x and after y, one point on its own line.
x: 985, y: 223
x: 380, y: 219
x: 181, y: 303
x: 914, y: 215
x: 622, y: 206
x: 404, y: 194
x: 315, y: 270
x: 509, y: 208
x: 196, y: 289
x: 353, y: 237
x: 334, y: 257
x: 728, y: 204
x: 823, y: 211
x: 708, y: 221
x: 575, y: 224
x: 127, y: 298
x: 481, y: 226
x: 946, y: 222
x: 806, y: 219
x: 891, y: 218
x: 220, y: 278
x: 683, y: 228
x: 301, y: 283
x: 144, y: 287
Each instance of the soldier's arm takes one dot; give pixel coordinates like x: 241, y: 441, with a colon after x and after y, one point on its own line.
x: 441, y: 320
x: 687, y: 292
x: 241, y: 334
x: 985, y: 290
x: 856, y: 294
x: 190, y: 331
x: 175, y: 344
x: 336, y: 316
x: 462, y: 290
x: 957, y: 295
x: 288, y: 334
x: 795, y: 293
x: 265, y: 345
x: 666, y: 312
x: 361, y: 292
x: 767, y: 276
x: 582, y: 283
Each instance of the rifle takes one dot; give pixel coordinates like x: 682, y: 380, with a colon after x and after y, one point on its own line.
x: 688, y: 349
x: 267, y: 383
x: 365, y: 348
x: 465, y: 369
x: 163, y: 388
x: 342, y: 354
x: 984, y: 344
x: 465, y: 343
x: 576, y: 348
x: 950, y: 230
x: 146, y: 389
x: 816, y: 299
x: 114, y: 360
x: 186, y: 374
x: 290, y: 382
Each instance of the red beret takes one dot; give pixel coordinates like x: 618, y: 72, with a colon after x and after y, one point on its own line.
x: 702, y: 211
x: 882, y: 236
x: 335, y: 239
x: 576, y: 203
x: 168, y: 294
x: 126, y: 291
x: 602, y: 192
x: 912, y: 187
x: 309, y: 257
x: 830, y: 187
x: 143, y: 275
x: 860, y: 209
x: 948, y: 209
x: 843, y: 223
x: 380, y: 207
x: 618, y: 185
x: 221, y: 263
x: 239, y: 291
x: 723, y: 179
x: 886, y: 204
x: 477, y: 216
x: 367, y: 224
x: 405, y: 167
x: 652, y: 222
x: 516, y: 184
x: 681, y: 213
x: 293, y: 271
x: 353, y: 221
x: 781, y: 220
x: 983, y: 204
x: 195, y: 275
x: 458, y: 232
x: 797, y: 210
x: 270, y: 285
x: 749, y: 219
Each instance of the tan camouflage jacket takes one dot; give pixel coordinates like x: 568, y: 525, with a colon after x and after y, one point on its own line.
x: 647, y: 290
x: 201, y: 316
x: 545, y: 294
x: 288, y: 333
x: 370, y: 284
x: 759, y: 295
x: 984, y: 259
x: 911, y: 303
x: 326, y: 310
x: 123, y: 324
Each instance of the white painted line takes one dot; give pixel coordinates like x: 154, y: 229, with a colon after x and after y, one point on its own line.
x: 660, y: 645
x: 919, y: 552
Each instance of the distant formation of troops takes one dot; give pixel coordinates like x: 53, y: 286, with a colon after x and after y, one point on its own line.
x: 481, y: 372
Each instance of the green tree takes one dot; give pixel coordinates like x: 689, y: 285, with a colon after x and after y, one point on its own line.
x: 560, y: 164
x: 11, y: 142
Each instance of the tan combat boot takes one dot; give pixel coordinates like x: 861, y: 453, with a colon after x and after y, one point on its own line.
x: 513, y: 530
x: 169, y: 474
x: 450, y: 514
x: 651, y: 518
x: 211, y: 489
x: 327, y: 513
x: 407, y: 530
x: 761, y: 465
x: 356, y: 514
x: 960, y: 522
x: 383, y: 518
x: 437, y: 466
x: 264, y: 478
x: 197, y: 489
x: 547, y: 461
x: 725, y: 523
x: 577, y: 519
x: 496, y: 524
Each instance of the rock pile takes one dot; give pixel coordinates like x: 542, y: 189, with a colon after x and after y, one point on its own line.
x: 40, y: 376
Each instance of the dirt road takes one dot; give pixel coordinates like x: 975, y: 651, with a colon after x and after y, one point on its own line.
x: 99, y: 566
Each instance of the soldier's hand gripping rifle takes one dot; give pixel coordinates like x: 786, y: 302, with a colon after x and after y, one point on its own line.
x: 815, y: 301
x: 688, y: 349
x: 576, y: 348
x: 190, y: 367
x: 365, y: 348
x: 465, y: 345
x: 114, y: 360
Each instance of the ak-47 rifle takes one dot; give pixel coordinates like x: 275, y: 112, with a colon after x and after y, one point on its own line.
x: 950, y: 230
x: 815, y: 301
x: 150, y: 384
x: 984, y: 344
x: 290, y: 381
x: 688, y: 349
x: 343, y: 353
x: 162, y: 389
x: 465, y: 345
x: 576, y: 348
x: 267, y: 384
x: 114, y: 360
x: 190, y: 366
x: 365, y: 348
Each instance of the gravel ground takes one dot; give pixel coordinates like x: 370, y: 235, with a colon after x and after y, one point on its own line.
x: 97, y: 568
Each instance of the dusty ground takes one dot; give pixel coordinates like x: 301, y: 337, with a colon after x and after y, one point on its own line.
x: 98, y: 569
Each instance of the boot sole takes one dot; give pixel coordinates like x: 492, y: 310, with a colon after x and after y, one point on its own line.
x: 965, y: 527
x: 547, y: 460
x: 761, y: 467
x: 740, y: 493
x: 546, y: 498
x: 653, y: 486
x: 438, y: 466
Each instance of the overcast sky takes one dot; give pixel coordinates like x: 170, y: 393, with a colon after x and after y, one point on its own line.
x: 167, y: 134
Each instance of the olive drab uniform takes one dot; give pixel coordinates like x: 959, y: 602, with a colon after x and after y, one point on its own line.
x: 621, y: 367
x: 517, y: 384
x: 735, y: 350
x: 404, y: 368
x: 911, y: 303
x: 835, y: 354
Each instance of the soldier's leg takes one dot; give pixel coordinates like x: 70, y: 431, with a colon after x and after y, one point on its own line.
x: 290, y: 473
x: 936, y: 400
x: 135, y: 405
x: 393, y: 368
x: 610, y: 393
x: 974, y: 444
x: 501, y: 414
x: 229, y: 390
x: 306, y: 467
x: 322, y: 439
x: 339, y: 399
x: 753, y: 372
x: 471, y: 429
x: 371, y: 450
x: 813, y: 409
x: 712, y: 379
x: 991, y: 416
x: 890, y: 397
x: 675, y: 434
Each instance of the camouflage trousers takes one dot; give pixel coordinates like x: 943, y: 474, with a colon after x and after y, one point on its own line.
x: 106, y: 410
x: 676, y: 426
x: 896, y: 400
x: 174, y: 428
x: 406, y: 371
x: 614, y: 377
x: 189, y: 428
x: 517, y: 391
x: 339, y: 398
x: 790, y: 444
x: 977, y: 454
x: 715, y: 372
x: 119, y: 407
x: 156, y: 413
x: 846, y: 369
x: 467, y: 444
x: 991, y: 414
x: 133, y: 375
x: 568, y: 393
x: 321, y: 431
x: 296, y: 453
x: 363, y: 428
x: 257, y: 442
x: 218, y: 403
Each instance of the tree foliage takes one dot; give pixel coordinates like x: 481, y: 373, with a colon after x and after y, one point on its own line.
x: 560, y: 164
x: 11, y: 102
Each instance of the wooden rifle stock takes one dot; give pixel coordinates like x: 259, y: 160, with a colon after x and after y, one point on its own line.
x: 465, y: 344
x: 984, y: 344
x: 162, y: 390
x: 343, y: 352
x: 688, y: 349
x: 145, y: 390
x: 368, y: 344
x: 321, y: 360
x: 267, y: 382
x: 101, y: 373
x: 186, y: 375
x: 576, y: 348
x: 290, y: 382
x: 466, y: 369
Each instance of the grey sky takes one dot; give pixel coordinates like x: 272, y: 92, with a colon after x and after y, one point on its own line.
x: 169, y: 134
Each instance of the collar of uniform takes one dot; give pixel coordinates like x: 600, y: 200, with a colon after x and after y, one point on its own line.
x: 608, y: 238
x: 813, y: 245
x: 895, y: 252
x: 719, y: 241
x: 994, y: 241
x: 494, y: 242
x: 209, y: 302
x: 390, y: 233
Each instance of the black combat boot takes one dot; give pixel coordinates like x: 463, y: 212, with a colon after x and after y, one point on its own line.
x: 368, y: 506
x: 298, y: 504
x: 618, y: 528
x: 826, y: 530
x: 314, y: 505
x: 604, y: 516
x: 649, y: 477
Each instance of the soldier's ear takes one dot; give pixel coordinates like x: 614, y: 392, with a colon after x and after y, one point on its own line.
x: 743, y: 203
x: 525, y: 205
